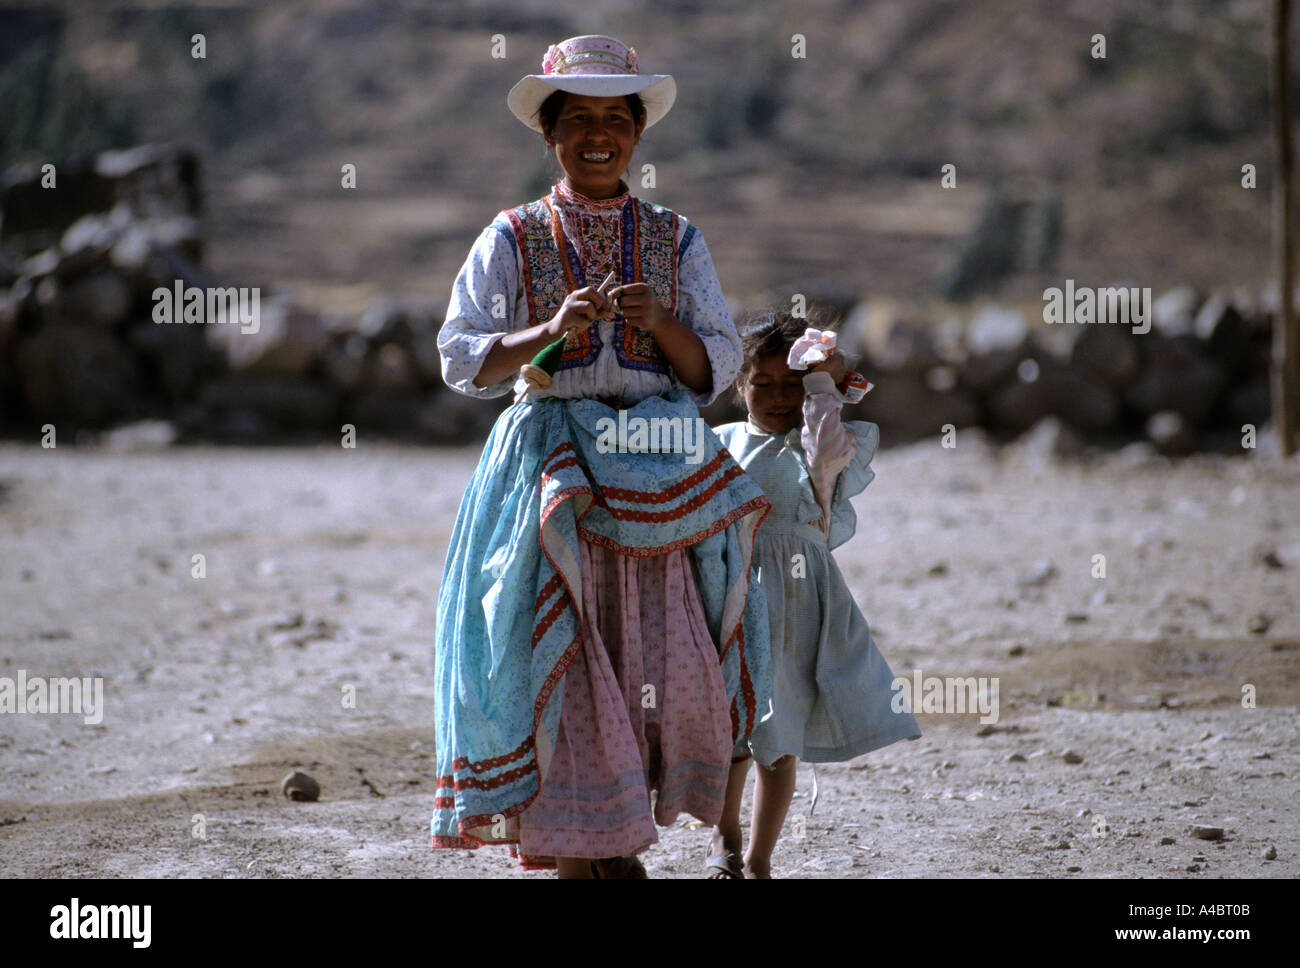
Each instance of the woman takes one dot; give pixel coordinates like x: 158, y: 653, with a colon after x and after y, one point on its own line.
x: 599, y: 640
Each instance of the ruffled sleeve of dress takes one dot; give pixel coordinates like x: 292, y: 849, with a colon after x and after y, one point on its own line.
x: 476, y: 317
x: 837, y: 455
x: 702, y: 307
x: 853, y: 480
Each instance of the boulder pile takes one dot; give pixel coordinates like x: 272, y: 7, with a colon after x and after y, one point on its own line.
x: 1196, y: 380
x: 81, y: 347
x: 1192, y: 381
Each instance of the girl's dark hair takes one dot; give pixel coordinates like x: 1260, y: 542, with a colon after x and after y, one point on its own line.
x: 550, y: 110
x: 773, y: 332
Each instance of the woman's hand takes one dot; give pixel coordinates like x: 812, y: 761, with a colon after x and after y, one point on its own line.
x: 515, y: 349
x: 579, y: 309
x: 641, y: 307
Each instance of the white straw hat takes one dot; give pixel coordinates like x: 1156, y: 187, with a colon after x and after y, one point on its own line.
x: 597, y: 66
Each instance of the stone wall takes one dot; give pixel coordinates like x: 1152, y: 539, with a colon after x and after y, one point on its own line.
x: 79, y: 347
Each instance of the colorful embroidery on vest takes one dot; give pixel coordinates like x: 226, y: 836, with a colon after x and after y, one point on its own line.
x: 553, y: 268
x: 546, y: 281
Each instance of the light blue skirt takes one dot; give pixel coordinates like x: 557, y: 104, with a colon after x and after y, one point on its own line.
x: 509, y: 619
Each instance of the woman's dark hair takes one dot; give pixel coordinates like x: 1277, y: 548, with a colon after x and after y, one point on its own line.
x: 550, y: 110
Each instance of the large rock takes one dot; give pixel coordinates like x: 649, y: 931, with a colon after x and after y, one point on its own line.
x: 993, y: 328
x: 444, y: 417
x: 386, y: 414
x: 1176, y: 375
x: 997, y: 341
x: 345, y: 361
x: 384, y: 322
x: 11, y: 267
x: 101, y: 299
x: 177, y: 358
x: 1058, y: 392
x: 92, y: 236
x: 10, y: 309
x: 1173, y: 313
x: 150, y: 180
x: 35, y: 217
x: 1225, y: 335
x: 906, y: 409
x: 388, y: 370
x: 1106, y: 354
x: 1049, y: 440
x: 154, y: 179
x: 1170, y: 433
x: 77, y: 375
x: 451, y: 418
x: 1250, y: 403
x: 288, y: 341
x: 891, y: 341
x: 283, y: 404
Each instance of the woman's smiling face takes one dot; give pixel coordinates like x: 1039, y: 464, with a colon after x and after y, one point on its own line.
x: 593, y: 139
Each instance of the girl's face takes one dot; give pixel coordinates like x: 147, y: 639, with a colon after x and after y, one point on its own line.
x: 773, y: 395
x: 593, y: 139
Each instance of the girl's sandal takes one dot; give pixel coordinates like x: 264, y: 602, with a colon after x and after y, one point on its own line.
x: 724, y: 867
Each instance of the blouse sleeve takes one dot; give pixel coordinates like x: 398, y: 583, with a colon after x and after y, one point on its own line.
x: 481, y: 311
x: 702, y: 307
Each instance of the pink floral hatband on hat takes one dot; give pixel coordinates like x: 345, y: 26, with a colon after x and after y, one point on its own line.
x: 597, y: 66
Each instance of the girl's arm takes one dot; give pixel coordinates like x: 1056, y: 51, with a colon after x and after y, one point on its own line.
x: 828, y: 447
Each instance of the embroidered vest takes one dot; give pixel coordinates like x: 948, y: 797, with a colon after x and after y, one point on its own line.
x: 552, y: 269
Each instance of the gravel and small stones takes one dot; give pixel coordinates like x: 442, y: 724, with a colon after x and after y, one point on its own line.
x: 1040, y: 574
x: 1205, y: 832
x: 1259, y: 624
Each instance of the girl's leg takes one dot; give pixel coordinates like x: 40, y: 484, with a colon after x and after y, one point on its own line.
x: 727, y: 836
x: 567, y: 868
x: 773, y: 792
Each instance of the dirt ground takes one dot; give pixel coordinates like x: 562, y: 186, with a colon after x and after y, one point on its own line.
x: 322, y: 570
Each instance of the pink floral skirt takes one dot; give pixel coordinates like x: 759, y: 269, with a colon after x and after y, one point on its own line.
x: 644, y: 709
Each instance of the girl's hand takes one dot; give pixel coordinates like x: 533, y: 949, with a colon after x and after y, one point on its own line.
x: 579, y: 310
x: 835, y: 366
x: 640, y: 306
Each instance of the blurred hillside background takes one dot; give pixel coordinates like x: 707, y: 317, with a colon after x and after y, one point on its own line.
x: 818, y: 175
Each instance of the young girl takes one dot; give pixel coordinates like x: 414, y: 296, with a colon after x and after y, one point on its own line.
x: 831, y: 696
x: 599, y: 638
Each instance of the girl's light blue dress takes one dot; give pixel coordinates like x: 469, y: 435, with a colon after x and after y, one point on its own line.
x: 831, y: 696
